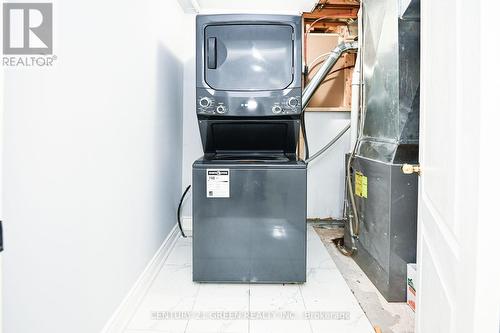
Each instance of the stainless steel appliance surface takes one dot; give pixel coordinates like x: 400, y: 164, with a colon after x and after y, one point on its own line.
x: 249, y: 221
x: 248, y: 65
x: 248, y: 82
x: 249, y: 189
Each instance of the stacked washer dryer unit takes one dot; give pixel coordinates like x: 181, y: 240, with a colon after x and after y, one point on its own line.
x: 249, y: 188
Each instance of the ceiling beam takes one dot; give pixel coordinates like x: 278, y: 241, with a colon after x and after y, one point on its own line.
x: 336, y: 9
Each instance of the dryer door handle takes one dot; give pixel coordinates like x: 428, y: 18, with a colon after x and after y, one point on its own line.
x: 212, y: 53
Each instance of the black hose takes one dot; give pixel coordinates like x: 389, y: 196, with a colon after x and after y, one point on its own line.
x: 304, y: 135
x: 179, y: 211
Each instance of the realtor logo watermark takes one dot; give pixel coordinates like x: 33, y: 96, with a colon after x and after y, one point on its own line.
x: 28, y: 34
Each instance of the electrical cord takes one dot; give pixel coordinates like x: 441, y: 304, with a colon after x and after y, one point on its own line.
x: 179, y: 211
x: 304, y: 135
x: 308, y: 30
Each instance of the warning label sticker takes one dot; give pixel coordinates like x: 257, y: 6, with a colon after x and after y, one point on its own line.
x: 217, y: 183
x: 361, y: 185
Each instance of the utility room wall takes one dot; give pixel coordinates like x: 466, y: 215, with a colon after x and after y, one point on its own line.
x: 92, y: 163
x: 326, y: 174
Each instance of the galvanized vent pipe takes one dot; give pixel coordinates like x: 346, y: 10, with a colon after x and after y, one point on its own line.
x: 328, y: 64
x: 313, y: 85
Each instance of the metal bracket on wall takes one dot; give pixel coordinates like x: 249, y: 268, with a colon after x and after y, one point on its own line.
x: 408, y: 169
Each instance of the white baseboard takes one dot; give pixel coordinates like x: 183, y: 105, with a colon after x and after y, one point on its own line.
x: 118, y: 321
x: 187, y: 225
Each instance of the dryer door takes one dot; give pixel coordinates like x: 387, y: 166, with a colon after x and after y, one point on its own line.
x: 248, y: 56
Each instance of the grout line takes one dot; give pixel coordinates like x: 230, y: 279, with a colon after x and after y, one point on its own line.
x: 305, y: 307
x: 192, y: 307
x: 301, y: 285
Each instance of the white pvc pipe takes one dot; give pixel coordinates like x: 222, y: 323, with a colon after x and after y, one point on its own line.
x: 355, y: 88
x: 356, y: 85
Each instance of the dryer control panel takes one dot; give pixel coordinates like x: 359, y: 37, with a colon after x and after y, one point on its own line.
x: 210, y: 102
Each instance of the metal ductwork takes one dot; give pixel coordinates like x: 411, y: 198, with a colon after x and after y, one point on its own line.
x: 391, y: 77
x: 385, y: 198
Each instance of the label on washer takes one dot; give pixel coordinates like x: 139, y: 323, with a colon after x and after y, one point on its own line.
x: 217, y: 183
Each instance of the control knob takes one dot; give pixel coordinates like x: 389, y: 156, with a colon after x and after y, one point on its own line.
x: 205, y: 102
x: 293, y: 102
x: 221, y: 109
x: 276, y: 109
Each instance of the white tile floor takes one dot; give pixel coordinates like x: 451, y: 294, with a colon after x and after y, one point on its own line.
x: 324, y: 293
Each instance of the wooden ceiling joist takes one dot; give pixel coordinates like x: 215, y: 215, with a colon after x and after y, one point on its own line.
x: 335, y: 9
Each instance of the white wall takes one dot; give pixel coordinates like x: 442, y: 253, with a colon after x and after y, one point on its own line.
x: 326, y: 174
x: 92, y: 163
x: 192, y: 148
